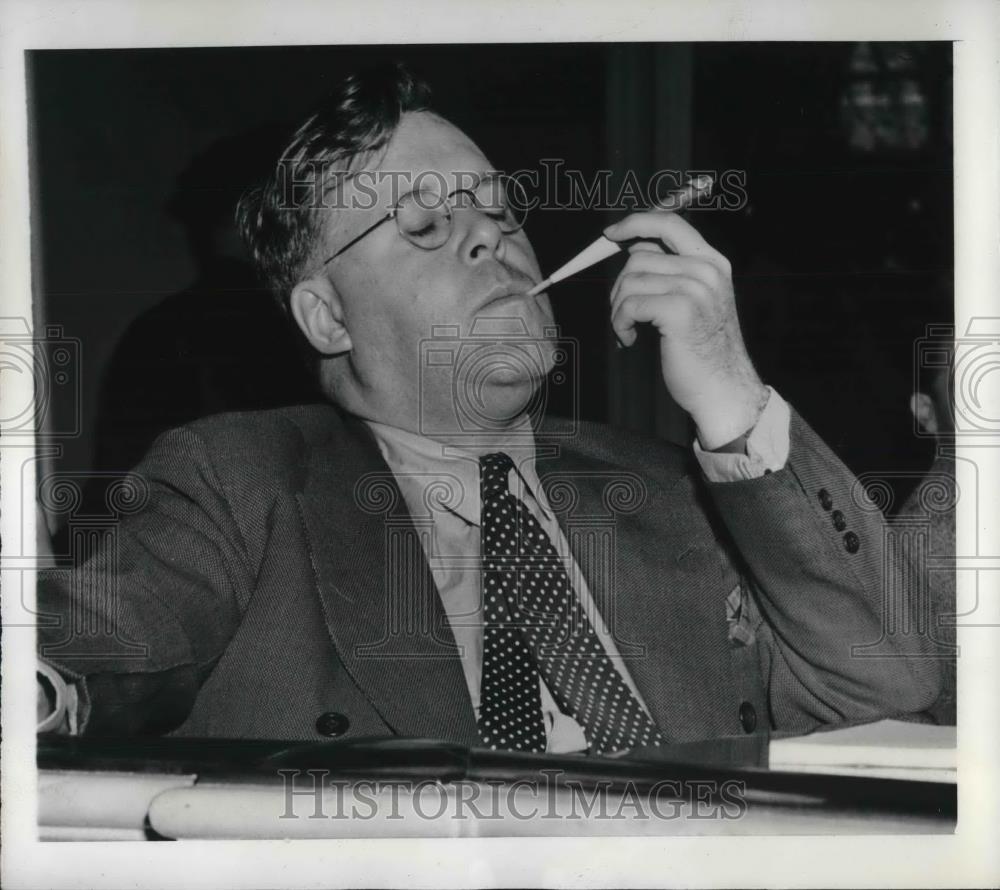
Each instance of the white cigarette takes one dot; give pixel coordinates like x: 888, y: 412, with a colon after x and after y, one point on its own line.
x: 603, y: 247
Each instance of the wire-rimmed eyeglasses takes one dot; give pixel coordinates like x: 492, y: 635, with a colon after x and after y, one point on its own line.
x: 424, y: 217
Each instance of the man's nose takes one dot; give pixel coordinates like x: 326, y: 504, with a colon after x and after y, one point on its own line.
x: 481, y: 237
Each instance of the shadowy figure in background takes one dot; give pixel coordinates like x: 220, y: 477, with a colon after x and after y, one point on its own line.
x: 219, y: 345
x: 934, y: 500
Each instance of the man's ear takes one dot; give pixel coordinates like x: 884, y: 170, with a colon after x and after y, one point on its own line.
x: 924, y: 413
x: 316, y: 308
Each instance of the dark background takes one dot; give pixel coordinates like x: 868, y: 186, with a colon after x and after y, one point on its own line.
x: 841, y: 257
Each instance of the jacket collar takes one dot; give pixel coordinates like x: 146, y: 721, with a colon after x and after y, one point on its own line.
x: 426, y: 468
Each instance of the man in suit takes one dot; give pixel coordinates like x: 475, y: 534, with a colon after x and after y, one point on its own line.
x: 425, y: 557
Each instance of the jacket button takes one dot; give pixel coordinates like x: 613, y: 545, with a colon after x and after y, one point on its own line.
x: 851, y: 543
x: 332, y: 724
x: 825, y: 501
x: 748, y: 717
x: 839, y: 523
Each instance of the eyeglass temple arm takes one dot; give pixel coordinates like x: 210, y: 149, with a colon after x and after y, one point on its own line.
x: 355, y: 240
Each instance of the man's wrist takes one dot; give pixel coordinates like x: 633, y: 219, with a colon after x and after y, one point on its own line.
x: 765, y: 449
x: 727, y: 424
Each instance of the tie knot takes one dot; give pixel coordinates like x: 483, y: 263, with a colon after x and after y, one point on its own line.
x: 494, y: 469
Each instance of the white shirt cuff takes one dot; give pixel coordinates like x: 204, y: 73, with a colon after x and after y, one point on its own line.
x: 767, y: 447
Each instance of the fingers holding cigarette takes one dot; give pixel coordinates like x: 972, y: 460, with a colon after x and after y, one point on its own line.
x: 669, y: 229
x: 608, y: 245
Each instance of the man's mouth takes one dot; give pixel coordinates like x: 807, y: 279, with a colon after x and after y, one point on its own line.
x: 508, y: 290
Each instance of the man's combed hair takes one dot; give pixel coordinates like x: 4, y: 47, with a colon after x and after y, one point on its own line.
x: 281, y: 218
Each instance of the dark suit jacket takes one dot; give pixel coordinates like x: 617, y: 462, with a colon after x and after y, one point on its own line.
x: 274, y: 575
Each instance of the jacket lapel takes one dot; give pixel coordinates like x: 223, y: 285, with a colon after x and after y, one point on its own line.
x: 381, y: 606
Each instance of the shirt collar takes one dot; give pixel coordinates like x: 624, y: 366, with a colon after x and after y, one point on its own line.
x: 418, y: 462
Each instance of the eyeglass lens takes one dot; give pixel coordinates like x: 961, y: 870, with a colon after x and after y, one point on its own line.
x: 424, y: 217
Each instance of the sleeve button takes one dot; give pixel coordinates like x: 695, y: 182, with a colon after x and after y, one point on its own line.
x: 825, y: 501
x: 851, y: 543
x: 839, y: 523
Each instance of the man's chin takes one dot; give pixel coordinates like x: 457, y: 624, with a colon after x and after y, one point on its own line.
x: 516, y: 362
x: 516, y: 378
x: 501, y: 403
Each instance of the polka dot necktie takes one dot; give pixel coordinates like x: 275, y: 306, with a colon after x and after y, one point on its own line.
x: 534, y: 626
